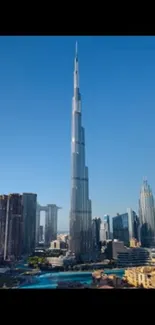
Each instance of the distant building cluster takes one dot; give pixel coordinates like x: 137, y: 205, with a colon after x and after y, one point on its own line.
x: 20, y: 229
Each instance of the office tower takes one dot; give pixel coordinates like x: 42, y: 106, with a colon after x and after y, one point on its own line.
x: 133, y: 224
x: 3, y: 207
x: 14, y: 227
x: 96, y: 223
x: 124, y: 226
x: 38, y: 222
x: 147, y: 216
x: 80, y: 209
x: 106, y: 220
x: 29, y: 222
x: 41, y: 234
x: 51, y: 220
x: 105, y: 229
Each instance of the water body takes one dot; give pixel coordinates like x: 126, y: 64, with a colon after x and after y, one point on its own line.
x: 50, y: 280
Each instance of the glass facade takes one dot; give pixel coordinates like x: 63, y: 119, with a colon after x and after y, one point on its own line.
x: 121, y: 228
x: 80, y: 206
x: 29, y: 220
x: 147, y: 216
x: 3, y: 206
x: 14, y: 226
x: 96, y: 224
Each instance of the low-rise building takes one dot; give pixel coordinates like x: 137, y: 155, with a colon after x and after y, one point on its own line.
x: 141, y: 277
x: 134, y: 243
x: 102, y: 280
x: 58, y: 244
x: 55, y: 261
x: 63, y: 237
x: 113, y: 248
x: 61, y: 260
x: 134, y: 257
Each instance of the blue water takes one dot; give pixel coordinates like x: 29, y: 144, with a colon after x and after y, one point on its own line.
x: 50, y: 280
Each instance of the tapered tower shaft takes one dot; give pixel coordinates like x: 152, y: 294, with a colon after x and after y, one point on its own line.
x: 80, y: 212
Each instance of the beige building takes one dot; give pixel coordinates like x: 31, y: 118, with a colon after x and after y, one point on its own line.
x: 63, y: 237
x: 141, y: 276
x: 103, y: 280
x: 134, y: 243
x: 57, y: 244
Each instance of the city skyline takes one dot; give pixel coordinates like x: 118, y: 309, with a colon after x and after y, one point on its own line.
x: 118, y: 82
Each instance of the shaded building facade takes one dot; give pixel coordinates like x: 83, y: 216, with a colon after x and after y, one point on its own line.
x: 147, y: 216
x: 14, y: 227
x: 3, y: 207
x: 29, y: 201
x: 96, y: 223
x: 113, y: 248
x: 41, y: 233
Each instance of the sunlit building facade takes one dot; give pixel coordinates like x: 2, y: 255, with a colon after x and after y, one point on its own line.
x: 29, y: 201
x: 80, y: 209
x: 147, y: 216
x: 105, y: 229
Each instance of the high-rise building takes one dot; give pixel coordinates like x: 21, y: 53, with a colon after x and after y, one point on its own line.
x: 51, y: 219
x: 147, y: 216
x: 41, y: 233
x: 105, y: 229
x: 124, y: 226
x: 14, y: 227
x: 3, y: 207
x: 80, y: 209
x: 29, y: 222
x: 96, y: 223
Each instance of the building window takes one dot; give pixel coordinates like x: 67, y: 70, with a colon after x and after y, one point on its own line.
x: 55, y: 244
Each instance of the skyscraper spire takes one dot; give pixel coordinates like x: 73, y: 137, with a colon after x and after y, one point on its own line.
x: 76, y: 49
x: 76, y: 72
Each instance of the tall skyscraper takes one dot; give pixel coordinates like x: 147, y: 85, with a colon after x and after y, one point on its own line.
x: 29, y: 222
x: 96, y: 224
x: 80, y: 209
x: 105, y: 229
x: 14, y: 227
x: 147, y: 216
x: 41, y: 234
x: 51, y: 220
x: 3, y: 207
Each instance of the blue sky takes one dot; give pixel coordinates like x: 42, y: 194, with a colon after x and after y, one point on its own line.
x: 117, y: 83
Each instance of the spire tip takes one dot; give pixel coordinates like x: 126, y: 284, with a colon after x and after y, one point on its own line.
x: 76, y: 48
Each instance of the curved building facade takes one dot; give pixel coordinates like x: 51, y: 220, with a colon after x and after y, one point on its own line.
x: 147, y: 216
x: 80, y: 210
